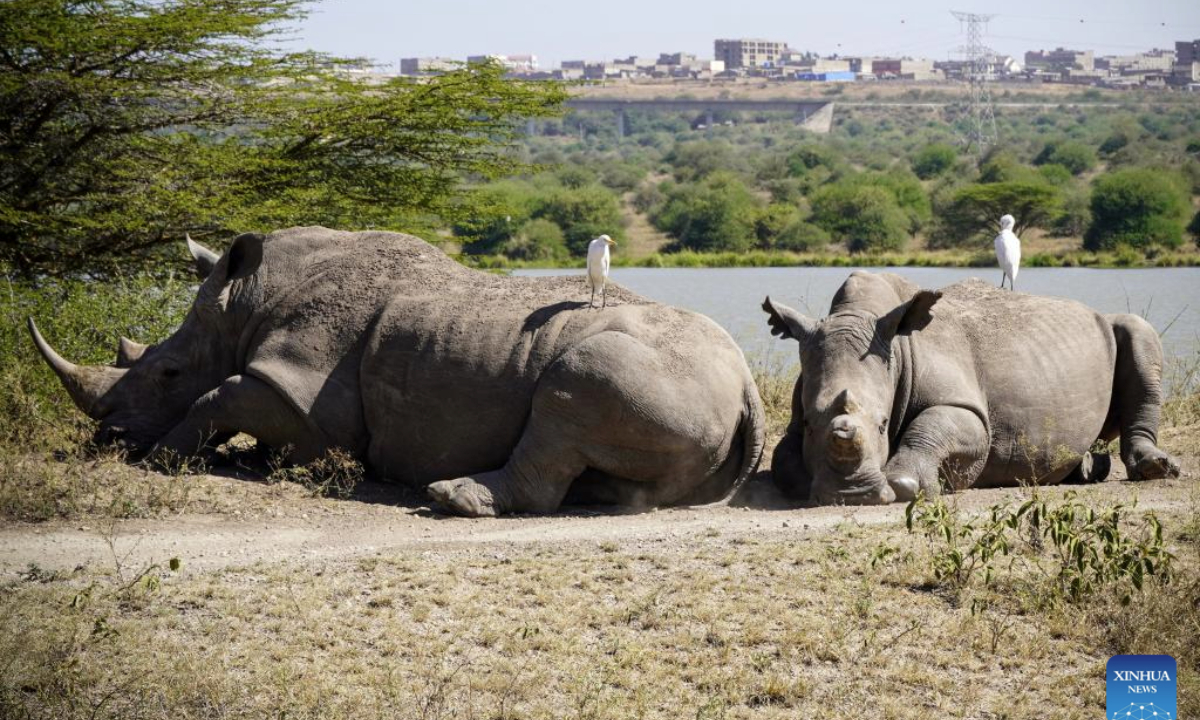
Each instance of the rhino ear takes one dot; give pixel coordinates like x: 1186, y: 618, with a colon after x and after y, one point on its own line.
x: 245, y: 255
x: 910, y: 316
x: 788, y: 323
x: 204, y: 258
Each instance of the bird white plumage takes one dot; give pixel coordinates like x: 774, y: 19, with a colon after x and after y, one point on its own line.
x: 597, y: 267
x: 1008, y: 252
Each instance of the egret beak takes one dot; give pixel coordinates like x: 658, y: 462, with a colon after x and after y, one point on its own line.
x: 610, y: 241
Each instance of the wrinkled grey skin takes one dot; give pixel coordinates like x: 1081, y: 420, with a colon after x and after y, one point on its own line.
x: 904, y: 389
x: 499, y: 394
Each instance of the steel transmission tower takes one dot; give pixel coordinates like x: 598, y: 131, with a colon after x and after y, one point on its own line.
x: 983, y: 117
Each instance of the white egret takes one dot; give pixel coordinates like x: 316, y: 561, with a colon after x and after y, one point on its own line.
x: 597, y: 267
x: 1008, y: 252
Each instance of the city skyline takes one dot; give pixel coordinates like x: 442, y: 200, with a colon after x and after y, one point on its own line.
x: 386, y: 32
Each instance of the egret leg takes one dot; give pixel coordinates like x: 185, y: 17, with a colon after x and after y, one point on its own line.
x: 603, y: 296
x: 592, y: 302
x: 1002, y: 276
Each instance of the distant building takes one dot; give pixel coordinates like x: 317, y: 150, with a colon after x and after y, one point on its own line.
x: 516, y: 64
x: 1186, y: 70
x: 748, y: 53
x: 679, y: 58
x: 1187, y: 51
x: 1061, y: 60
x: 902, y: 68
x: 427, y: 65
x: 1154, y: 62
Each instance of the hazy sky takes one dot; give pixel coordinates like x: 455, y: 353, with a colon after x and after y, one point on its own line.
x: 557, y: 30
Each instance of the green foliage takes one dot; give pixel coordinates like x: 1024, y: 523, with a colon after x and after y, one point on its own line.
x: 933, y: 160
x: 975, y: 210
x: 126, y: 123
x: 1193, y: 228
x: 904, y: 187
x: 865, y: 217
x: 718, y: 213
x: 83, y: 321
x: 1137, y: 207
x: 505, y: 209
x: 1088, y: 552
x: 540, y: 240
x: 1076, y: 157
x: 698, y: 159
x: 582, y: 213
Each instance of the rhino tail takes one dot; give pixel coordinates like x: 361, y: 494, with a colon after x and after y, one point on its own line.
x: 752, y: 429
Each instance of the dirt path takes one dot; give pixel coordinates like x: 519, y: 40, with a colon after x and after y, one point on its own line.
x: 332, y: 530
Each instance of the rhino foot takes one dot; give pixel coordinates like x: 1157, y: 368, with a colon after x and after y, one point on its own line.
x: 1155, y: 466
x: 905, y: 487
x: 463, y: 496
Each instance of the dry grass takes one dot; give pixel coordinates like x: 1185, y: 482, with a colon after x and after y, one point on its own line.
x: 711, y: 626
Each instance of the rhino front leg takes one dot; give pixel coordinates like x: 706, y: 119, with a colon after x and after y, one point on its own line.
x: 242, y: 404
x: 943, y: 439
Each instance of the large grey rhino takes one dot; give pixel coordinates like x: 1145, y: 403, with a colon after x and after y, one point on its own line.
x: 499, y: 394
x: 902, y: 389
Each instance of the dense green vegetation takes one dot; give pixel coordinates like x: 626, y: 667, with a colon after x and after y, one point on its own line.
x: 126, y: 123
x: 882, y: 182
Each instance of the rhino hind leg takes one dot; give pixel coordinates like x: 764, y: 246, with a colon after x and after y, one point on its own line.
x: 1137, y: 399
x: 606, y: 406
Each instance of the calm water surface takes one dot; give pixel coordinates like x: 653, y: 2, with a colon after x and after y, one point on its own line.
x: 1169, y: 297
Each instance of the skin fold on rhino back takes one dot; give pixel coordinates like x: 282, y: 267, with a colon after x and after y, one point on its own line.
x: 1039, y: 370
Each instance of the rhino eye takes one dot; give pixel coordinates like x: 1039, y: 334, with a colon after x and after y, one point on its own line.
x: 170, y: 372
x: 883, y: 426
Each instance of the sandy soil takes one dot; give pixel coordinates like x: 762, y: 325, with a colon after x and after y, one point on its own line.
x: 288, y: 526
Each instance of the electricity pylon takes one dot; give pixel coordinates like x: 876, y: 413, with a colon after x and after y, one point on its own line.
x: 983, y: 118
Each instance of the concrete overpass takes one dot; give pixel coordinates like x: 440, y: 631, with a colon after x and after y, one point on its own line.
x: 815, y: 115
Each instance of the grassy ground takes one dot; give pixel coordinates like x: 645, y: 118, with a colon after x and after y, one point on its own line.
x: 262, y: 592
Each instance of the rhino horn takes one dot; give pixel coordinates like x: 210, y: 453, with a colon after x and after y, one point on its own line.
x: 85, y: 384
x: 205, y: 259
x: 129, y: 352
x: 847, y: 403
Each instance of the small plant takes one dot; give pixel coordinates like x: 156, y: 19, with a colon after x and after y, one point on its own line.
x: 1088, y: 551
x: 336, y: 472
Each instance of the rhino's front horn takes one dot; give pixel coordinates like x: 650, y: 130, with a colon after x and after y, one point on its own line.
x: 129, y: 352
x: 85, y: 384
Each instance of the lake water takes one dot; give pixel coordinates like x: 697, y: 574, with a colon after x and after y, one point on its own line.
x: 1169, y: 297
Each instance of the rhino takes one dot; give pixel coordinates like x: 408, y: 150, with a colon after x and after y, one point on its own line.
x: 903, y: 389
x: 497, y: 394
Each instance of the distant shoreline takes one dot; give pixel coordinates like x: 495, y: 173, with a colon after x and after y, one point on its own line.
x: 1103, y: 260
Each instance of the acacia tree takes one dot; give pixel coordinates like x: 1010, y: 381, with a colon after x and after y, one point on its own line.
x: 975, y: 210
x: 126, y: 123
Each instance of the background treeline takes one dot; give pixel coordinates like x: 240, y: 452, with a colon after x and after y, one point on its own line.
x: 1123, y: 179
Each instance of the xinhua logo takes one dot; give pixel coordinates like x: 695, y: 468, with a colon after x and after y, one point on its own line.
x: 1141, y: 687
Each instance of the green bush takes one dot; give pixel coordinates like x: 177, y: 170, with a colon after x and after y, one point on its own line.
x: 933, y: 160
x: 800, y: 236
x: 1076, y: 157
x: 582, y: 214
x: 865, y: 217
x: 540, y: 240
x: 1137, y: 207
x: 716, y: 214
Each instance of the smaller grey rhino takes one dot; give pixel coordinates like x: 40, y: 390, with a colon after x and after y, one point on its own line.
x: 902, y: 389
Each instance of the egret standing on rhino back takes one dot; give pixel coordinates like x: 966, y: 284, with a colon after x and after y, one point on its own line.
x: 1008, y: 252
x: 597, y: 267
